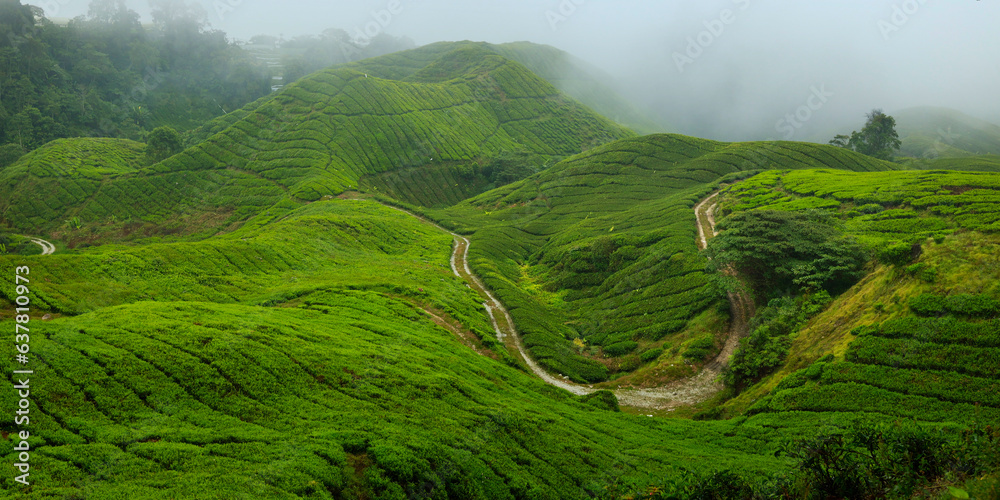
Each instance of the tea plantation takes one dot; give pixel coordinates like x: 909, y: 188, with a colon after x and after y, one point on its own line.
x: 917, y: 338
x: 252, y: 317
x: 601, y: 248
x: 296, y: 358
x: 318, y: 137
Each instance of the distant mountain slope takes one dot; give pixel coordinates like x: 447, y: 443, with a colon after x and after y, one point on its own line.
x: 606, y: 241
x: 929, y: 132
x: 323, y: 134
x: 578, y: 79
x: 585, y: 83
x: 982, y: 163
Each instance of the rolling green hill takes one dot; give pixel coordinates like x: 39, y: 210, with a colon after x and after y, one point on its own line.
x: 982, y: 163
x: 601, y: 248
x: 583, y: 82
x: 945, y: 133
x: 245, y: 320
x: 915, y: 338
x: 320, y: 137
x: 320, y: 355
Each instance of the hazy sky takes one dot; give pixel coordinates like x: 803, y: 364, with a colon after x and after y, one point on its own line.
x: 726, y: 69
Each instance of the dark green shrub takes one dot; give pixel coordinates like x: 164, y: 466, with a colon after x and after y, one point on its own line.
x: 928, y: 305
x: 871, y: 208
x: 700, y: 349
x: 793, y: 380
x: 778, y: 251
x: 766, y: 347
x: 975, y: 306
x: 651, y: 354
x: 896, y: 254
x: 621, y: 348
x: 603, y: 399
x: 162, y: 142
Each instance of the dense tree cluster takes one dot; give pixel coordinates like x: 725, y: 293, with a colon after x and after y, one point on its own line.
x: 779, y: 252
x: 107, y: 75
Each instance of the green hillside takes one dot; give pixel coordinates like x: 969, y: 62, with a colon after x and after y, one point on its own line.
x: 940, y: 132
x: 583, y: 82
x: 326, y: 350
x: 320, y: 137
x: 601, y: 248
x: 304, y: 358
x: 271, y: 313
x: 570, y: 75
x: 917, y: 333
x: 982, y: 163
x: 82, y: 190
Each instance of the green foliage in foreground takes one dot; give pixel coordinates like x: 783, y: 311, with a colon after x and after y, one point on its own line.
x: 860, y: 462
x: 352, y: 394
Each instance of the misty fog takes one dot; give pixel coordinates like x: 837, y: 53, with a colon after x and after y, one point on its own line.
x: 722, y: 69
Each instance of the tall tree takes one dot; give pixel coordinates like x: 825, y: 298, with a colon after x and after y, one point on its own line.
x: 877, y: 139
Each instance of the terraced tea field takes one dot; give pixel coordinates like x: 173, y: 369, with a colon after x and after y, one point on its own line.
x: 433, y: 274
x: 270, y: 367
x: 318, y: 137
x: 602, y: 248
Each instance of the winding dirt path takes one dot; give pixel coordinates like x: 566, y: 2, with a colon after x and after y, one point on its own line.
x: 47, y: 248
x: 691, y: 390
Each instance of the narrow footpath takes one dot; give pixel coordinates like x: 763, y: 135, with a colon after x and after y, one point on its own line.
x: 47, y: 248
x: 691, y: 390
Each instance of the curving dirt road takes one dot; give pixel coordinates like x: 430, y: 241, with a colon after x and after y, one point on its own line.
x: 687, y: 391
x: 47, y: 248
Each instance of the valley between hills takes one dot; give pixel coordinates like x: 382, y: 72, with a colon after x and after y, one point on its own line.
x: 435, y: 274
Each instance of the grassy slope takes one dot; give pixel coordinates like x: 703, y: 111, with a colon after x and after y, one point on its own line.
x: 982, y: 163
x: 321, y: 135
x: 602, y: 246
x: 882, y: 372
x: 939, y: 132
x: 279, y: 362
